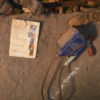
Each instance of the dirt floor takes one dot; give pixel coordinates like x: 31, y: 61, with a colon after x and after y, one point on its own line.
x: 21, y: 78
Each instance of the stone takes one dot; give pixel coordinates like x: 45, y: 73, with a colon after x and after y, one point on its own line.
x: 85, y: 18
x: 78, y: 20
x: 26, y: 10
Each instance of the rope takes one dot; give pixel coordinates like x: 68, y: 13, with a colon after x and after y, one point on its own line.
x: 51, y: 82
x: 46, y: 74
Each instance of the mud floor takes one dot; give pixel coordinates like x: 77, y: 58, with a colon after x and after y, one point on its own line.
x: 21, y: 78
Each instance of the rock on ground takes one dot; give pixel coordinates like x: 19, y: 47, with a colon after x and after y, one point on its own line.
x: 84, y: 18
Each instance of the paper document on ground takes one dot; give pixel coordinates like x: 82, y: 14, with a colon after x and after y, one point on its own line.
x: 24, y: 38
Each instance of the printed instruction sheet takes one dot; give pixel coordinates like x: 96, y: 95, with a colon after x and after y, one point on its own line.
x: 24, y: 38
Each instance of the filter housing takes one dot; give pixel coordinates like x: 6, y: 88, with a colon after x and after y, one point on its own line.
x: 71, y: 43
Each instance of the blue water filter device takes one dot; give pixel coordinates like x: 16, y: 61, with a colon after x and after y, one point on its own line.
x: 71, y: 43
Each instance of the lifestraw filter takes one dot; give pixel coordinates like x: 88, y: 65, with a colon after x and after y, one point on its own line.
x: 71, y: 43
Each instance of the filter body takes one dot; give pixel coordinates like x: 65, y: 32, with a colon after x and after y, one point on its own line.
x: 72, y: 43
